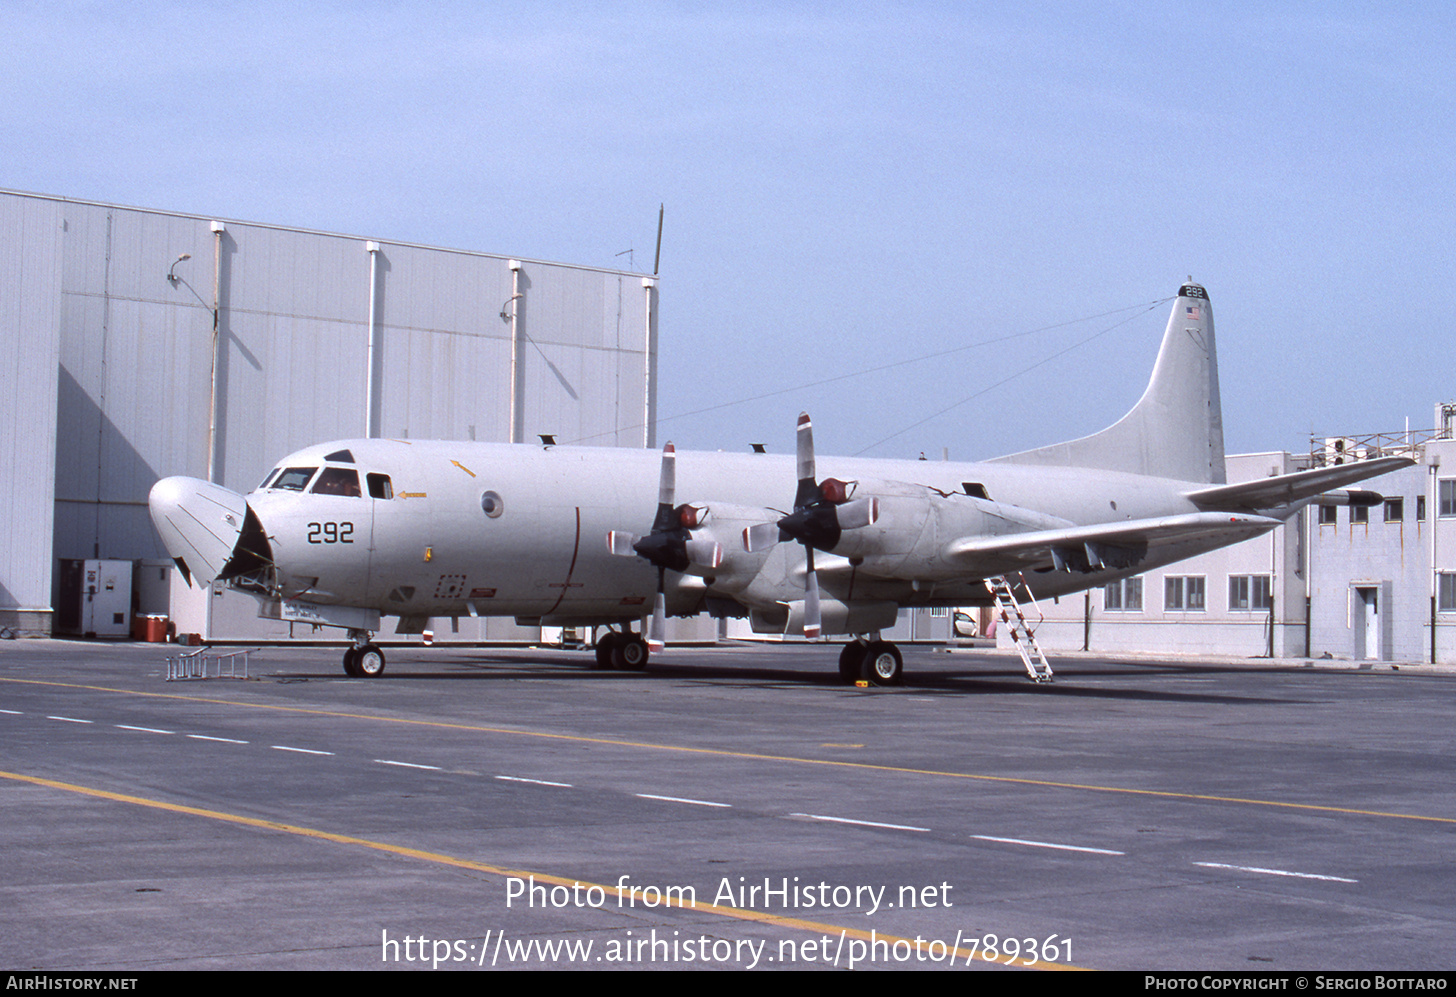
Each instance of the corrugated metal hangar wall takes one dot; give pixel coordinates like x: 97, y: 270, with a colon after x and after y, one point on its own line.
x: 107, y: 382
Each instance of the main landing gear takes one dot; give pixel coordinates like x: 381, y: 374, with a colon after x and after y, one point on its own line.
x: 364, y: 660
x: 623, y: 652
x: 875, y: 661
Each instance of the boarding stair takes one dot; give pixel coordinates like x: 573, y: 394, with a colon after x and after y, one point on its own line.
x: 1023, y: 633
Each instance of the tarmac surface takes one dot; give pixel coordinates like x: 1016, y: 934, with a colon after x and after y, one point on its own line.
x: 727, y: 808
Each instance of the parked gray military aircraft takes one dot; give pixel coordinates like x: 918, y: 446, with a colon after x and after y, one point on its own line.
x: 341, y: 533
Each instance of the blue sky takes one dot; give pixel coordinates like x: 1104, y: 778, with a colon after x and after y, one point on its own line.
x: 846, y: 186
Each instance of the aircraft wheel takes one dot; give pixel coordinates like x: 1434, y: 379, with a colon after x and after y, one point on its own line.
x: 369, y: 661
x: 882, y: 663
x: 606, y: 649
x: 851, y: 661
x: 631, y: 655
x: 351, y: 663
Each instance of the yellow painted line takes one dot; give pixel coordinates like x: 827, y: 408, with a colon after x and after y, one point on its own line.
x: 754, y: 756
x: 762, y: 917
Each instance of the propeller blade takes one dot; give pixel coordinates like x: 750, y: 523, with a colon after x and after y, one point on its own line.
x: 620, y: 542
x: 667, y: 484
x: 760, y: 536
x: 811, y: 599
x: 705, y: 553
x: 856, y: 514
x: 666, y: 488
x: 657, y: 631
x: 808, y: 492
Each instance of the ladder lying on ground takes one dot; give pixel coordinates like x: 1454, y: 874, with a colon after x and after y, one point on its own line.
x: 1022, y: 634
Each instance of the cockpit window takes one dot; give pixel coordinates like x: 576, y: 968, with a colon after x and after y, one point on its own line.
x: 337, y: 481
x: 269, y: 478
x: 379, y: 486
x: 294, y: 479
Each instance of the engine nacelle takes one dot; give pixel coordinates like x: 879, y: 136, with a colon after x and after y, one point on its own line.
x: 915, y: 523
x: 723, y: 524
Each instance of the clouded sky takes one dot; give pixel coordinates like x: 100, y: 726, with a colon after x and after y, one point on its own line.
x: 847, y: 186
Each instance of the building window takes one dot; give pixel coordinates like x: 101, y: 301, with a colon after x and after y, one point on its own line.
x: 1183, y: 594
x: 1420, y: 508
x: 1250, y: 593
x: 1394, y: 510
x: 1448, y: 497
x: 1125, y: 596
x: 1329, y: 515
x: 1359, y: 514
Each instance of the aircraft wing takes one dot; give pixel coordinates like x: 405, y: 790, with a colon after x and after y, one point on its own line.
x: 1287, y: 489
x: 1108, y: 545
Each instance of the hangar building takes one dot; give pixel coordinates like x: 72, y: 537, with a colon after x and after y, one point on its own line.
x: 144, y: 343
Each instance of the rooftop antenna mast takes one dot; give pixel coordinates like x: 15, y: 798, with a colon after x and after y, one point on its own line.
x: 657, y: 257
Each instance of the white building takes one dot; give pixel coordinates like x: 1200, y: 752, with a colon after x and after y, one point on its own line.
x: 1345, y: 581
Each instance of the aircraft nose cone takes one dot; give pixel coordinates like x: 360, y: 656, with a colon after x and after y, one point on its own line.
x: 200, y: 524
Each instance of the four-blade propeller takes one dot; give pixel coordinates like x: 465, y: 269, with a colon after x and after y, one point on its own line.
x: 670, y: 544
x: 823, y: 510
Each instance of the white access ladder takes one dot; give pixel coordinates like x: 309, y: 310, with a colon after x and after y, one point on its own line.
x: 1023, y: 633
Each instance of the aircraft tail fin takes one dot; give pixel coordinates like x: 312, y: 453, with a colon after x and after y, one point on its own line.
x: 1176, y: 428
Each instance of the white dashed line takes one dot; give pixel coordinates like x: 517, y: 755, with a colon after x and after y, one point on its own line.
x: 862, y: 823
x: 17, y: 713
x: 386, y: 761
x: 1047, y: 844
x: 144, y: 730
x: 681, y: 799
x: 301, y: 751
x: 224, y: 740
x: 534, y: 782
x: 72, y: 720
x: 1276, y: 872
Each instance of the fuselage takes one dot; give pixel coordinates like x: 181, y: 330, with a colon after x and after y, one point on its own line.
x: 434, y: 528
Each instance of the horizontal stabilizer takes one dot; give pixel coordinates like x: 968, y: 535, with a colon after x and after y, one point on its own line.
x: 1287, y: 489
x: 1113, y: 546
